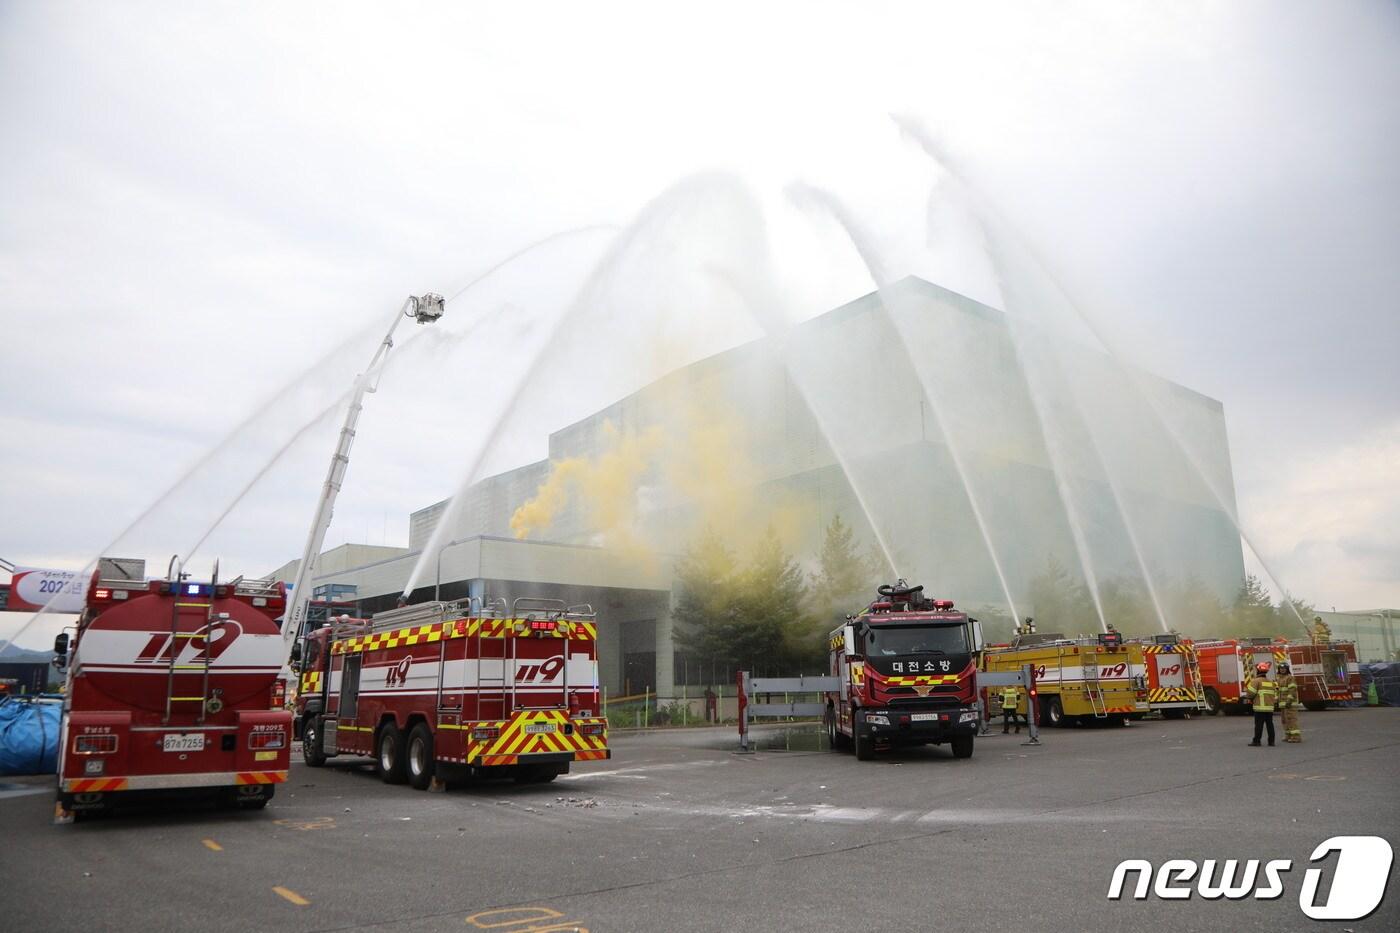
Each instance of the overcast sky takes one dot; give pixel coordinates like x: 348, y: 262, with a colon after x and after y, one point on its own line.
x: 202, y: 200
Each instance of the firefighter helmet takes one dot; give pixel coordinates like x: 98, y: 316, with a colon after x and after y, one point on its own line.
x: 1283, y: 668
x: 1262, y: 667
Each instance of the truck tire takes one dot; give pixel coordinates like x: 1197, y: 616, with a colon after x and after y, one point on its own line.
x: 864, y: 743
x: 836, y: 738
x: 962, y: 745
x: 419, y: 759
x: 1054, y: 713
x: 1212, y: 702
x: 388, y: 754
x: 313, y: 749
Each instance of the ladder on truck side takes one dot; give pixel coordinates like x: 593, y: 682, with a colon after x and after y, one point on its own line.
x: 1093, y: 687
x: 1193, y: 667
x: 176, y: 646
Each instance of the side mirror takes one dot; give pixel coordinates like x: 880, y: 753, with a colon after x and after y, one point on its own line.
x: 976, y: 635
x: 296, y: 653
x: 851, y: 645
x: 60, y: 645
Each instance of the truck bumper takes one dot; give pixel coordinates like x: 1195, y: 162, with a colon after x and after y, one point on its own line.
x: 904, y: 729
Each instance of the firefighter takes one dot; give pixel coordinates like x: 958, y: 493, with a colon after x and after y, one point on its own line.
x: 1010, y: 703
x: 1321, y: 631
x: 1288, y: 703
x: 1262, y: 692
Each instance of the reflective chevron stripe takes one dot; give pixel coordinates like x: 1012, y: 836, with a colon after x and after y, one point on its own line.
x: 94, y: 785
x: 921, y: 680
x: 260, y: 777
x: 460, y: 628
x: 515, y: 740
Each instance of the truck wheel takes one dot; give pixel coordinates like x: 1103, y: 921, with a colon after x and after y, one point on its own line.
x: 1315, y: 705
x: 1212, y: 702
x: 1054, y: 713
x: 389, y: 756
x: 313, y: 750
x: 420, y: 757
x: 962, y: 746
x: 864, y: 742
x: 835, y: 737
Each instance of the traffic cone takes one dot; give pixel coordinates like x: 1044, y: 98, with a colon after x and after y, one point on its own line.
x: 1372, y: 698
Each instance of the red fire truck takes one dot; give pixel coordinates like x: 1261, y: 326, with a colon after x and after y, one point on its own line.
x: 446, y: 689
x: 907, y: 673
x: 1173, y: 676
x: 1225, y: 665
x: 170, y: 689
x: 1326, y: 672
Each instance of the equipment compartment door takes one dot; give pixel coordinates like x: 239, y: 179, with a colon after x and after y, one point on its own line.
x: 1171, y: 670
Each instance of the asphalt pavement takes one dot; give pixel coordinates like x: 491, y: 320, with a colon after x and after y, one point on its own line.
x: 678, y: 832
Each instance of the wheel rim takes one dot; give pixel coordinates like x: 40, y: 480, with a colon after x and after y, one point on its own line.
x: 386, y: 753
x: 416, y: 757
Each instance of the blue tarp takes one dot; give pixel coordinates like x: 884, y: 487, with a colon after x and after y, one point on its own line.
x: 29, y: 735
x: 1386, y: 677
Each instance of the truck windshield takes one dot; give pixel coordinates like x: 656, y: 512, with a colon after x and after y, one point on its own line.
x: 909, y: 639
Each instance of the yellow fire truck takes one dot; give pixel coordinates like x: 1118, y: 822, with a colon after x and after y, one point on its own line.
x: 1078, y: 679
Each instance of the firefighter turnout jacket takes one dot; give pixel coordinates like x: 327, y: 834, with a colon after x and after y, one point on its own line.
x: 1262, y: 694
x: 1287, y: 692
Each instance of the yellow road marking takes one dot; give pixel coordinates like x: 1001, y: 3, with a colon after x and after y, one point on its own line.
x: 292, y: 896
x: 211, y: 845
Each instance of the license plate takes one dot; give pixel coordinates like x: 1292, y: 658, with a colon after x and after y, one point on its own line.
x: 923, y: 717
x: 536, y: 728
x: 183, y: 742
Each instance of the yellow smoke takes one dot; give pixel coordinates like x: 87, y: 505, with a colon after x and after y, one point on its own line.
x: 695, y: 467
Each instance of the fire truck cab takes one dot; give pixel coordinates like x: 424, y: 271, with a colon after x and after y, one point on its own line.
x: 170, y: 689
x: 447, y: 689
x: 907, y: 675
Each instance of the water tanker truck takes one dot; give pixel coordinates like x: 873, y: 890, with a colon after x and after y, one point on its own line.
x: 170, y: 691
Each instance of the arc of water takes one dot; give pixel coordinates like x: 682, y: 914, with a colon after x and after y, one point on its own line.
x: 985, y: 205
x: 270, y: 402
x: 763, y: 303
x: 446, y: 521
x: 860, y: 241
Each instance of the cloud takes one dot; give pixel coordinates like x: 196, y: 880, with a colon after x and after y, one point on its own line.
x: 1331, y: 521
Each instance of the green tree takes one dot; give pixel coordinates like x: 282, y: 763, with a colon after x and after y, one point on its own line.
x: 845, y: 579
x: 1253, y: 609
x: 1194, y: 609
x: 773, y: 600
x: 706, y: 598
x: 739, y: 615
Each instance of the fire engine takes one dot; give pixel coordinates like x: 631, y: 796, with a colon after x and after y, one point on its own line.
x: 1078, y: 679
x: 907, y: 675
x: 1326, y: 672
x: 1226, y: 665
x: 1173, y: 676
x: 170, y: 689
x: 443, y: 689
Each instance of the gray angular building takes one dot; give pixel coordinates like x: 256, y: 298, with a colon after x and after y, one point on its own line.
x: 971, y: 449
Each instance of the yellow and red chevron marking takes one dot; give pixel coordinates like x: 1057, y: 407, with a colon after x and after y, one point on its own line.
x: 94, y: 785
x: 461, y: 628
x: 921, y: 680
x: 260, y: 777
x: 1120, y: 709
x: 311, y: 682
x: 1160, y: 649
x: 515, y: 740
x: 1171, y: 695
x: 857, y: 673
